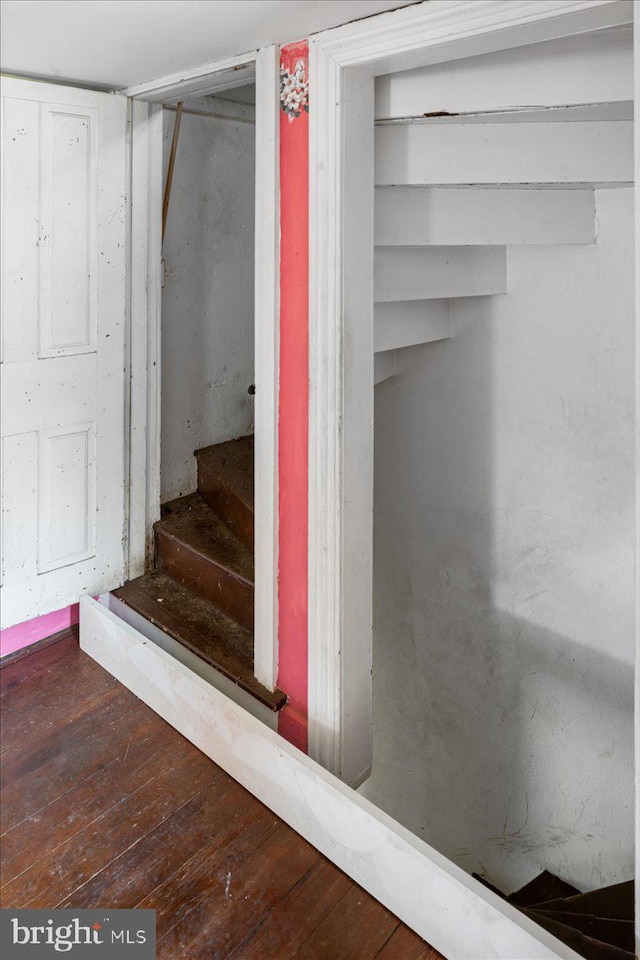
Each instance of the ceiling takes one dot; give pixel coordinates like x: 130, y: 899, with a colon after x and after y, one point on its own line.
x: 117, y: 43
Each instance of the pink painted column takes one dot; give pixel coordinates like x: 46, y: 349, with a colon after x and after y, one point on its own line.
x: 294, y: 390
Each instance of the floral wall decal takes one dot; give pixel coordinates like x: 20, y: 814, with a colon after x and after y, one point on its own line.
x: 294, y: 90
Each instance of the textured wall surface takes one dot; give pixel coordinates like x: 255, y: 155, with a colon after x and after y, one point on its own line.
x: 207, y: 303
x: 503, y: 571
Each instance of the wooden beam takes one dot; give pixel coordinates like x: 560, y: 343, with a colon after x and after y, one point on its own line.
x: 170, y: 168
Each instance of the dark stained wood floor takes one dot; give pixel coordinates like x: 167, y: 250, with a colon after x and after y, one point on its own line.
x: 104, y: 804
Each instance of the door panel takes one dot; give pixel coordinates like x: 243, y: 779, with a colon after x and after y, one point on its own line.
x: 63, y: 345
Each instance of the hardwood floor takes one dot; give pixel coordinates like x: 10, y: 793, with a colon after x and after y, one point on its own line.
x: 104, y: 804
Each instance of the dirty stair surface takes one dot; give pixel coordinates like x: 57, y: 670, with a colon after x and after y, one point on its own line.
x: 196, y: 548
x: 201, y: 591
x: 599, y: 924
x: 225, y: 480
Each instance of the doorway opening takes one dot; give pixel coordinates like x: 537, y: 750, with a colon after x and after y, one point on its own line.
x: 503, y: 520
x: 200, y: 587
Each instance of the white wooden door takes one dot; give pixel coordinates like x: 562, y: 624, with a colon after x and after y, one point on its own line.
x: 64, y: 236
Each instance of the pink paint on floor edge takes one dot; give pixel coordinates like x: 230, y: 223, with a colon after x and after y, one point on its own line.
x: 24, y: 634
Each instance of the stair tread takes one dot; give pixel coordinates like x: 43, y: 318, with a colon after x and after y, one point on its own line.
x: 192, y: 521
x: 233, y: 462
x: 588, y: 947
x: 200, y: 627
x: 617, y: 933
x: 544, y: 887
x: 615, y: 902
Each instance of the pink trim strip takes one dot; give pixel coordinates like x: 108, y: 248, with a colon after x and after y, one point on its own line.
x: 294, y: 391
x: 24, y: 634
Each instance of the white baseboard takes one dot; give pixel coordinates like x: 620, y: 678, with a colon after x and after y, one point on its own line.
x: 443, y: 904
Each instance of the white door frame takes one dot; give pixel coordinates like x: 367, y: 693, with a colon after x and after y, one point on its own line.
x: 144, y: 348
x: 342, y: 65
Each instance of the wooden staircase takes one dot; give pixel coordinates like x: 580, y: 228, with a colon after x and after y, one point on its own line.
x: 599, y: 925
x: 201, y: 589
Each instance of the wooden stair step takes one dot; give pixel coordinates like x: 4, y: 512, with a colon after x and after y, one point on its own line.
x: 544, y: 887
x: 615, y: 902
x: 617, y: 933
x: 586, y: 946
x: 200, y: 627
x: 198, y: 550
x: 225, y: 480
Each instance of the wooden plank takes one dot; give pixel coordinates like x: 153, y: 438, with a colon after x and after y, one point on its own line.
x: 13, y: 675
x: 441, y: 216
x: 404, y: 944
x: 241, y: 826
x: 297, y: 915
x: 434, y: 273
x: 65, y: 687
x: 614, y: 902
x: 589, y: 152
x: 193, y: 662
x: 35, y: 776
x: 243, y: 895
x: 87, y: 853
x: 395, y: 866
x: 171, y: 166
x: 200, y: 830
x: 151, y: 746
x: 200, y: 628
x: 356, y: 928
x: 410, y: 322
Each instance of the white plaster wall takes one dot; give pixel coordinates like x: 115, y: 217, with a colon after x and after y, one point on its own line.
x: 503, y: 571
x: 207, y: 301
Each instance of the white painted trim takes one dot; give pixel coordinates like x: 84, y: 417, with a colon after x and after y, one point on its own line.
x: 636, y: 65
x: 339, y: 576
x: 325, y: 635
x: 144, y: 334
x: 267, y: 326
x: 443, y: 904
x: 207, y: 78
x: 440, y: 30
x: 340, y: 454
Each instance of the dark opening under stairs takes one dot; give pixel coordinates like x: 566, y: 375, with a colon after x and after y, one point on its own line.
x: 201, y: 590
x: 599, y: 925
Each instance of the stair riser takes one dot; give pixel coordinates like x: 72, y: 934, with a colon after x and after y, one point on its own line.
x: 237, y: 515
x: 229, y: 592
x: 504, y: 153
